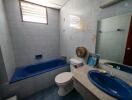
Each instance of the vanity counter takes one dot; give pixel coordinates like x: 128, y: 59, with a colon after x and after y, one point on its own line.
x: 80, y: 74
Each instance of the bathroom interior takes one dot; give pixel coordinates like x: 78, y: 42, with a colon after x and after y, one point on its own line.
x: 65, y: 50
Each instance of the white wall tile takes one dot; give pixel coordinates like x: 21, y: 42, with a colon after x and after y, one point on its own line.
x: 30, y: 39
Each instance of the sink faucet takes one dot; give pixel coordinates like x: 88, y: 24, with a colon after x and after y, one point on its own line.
x: 111, y: 73
x: 102, y: 70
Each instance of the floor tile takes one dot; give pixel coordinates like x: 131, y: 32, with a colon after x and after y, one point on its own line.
x: 52, y: 94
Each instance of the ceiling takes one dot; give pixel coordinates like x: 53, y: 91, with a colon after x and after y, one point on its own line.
x: 57, y: 4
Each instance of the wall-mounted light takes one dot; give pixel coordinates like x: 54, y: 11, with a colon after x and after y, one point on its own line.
x: 75, y: 21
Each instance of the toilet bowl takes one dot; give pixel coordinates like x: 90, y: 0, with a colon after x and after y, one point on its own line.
x: 64, y: 82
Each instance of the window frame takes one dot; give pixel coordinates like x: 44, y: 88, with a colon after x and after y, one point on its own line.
x: 32, y: 4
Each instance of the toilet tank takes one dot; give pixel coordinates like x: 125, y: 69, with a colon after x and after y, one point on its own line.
x: 75, y: 63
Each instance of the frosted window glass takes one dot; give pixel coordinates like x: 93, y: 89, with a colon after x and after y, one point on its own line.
x: 33, y: 13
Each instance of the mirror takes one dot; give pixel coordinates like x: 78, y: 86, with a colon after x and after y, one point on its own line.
x: 114, y: 39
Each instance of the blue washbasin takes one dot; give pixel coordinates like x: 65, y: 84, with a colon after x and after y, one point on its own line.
x: 111, y: 85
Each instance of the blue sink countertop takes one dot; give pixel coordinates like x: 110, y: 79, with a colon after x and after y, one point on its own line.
x: 111, y: 85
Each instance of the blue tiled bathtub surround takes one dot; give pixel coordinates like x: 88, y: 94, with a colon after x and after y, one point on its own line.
x: 36, y: 69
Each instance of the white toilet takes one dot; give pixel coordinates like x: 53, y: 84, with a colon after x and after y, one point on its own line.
x: 64, y: 82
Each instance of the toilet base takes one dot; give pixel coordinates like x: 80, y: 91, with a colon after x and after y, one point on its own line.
x: 64, y: 90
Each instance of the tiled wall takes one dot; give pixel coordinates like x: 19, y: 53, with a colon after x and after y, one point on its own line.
x: 118, y: 9
x: 7, y: 55
x: 89, y: 13
x: 70, y: 37
x: 30, y: 39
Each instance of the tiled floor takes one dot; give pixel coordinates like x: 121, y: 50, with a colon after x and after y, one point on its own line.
x: 51, y: 94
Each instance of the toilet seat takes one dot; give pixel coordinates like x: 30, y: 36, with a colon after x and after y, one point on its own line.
x: 63, y: 78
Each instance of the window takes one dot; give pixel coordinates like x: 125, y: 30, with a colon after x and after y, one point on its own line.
x: 33, y: 12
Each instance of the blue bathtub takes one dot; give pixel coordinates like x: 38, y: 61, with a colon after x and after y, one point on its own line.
x: 33, y: 70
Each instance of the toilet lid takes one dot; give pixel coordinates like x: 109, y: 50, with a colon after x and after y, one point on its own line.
x: 63, y: 77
